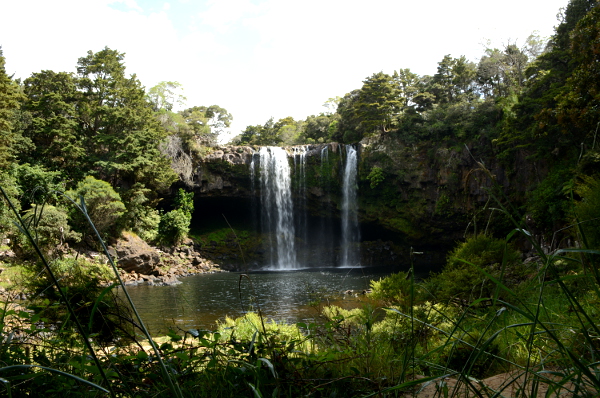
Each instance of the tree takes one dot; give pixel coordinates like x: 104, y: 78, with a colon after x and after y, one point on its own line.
x: 319, y: 128
x: 349, y: 128
x: 10, y: 102
x: 175, y: 225
x: 535, y: 120
x: 206, y: 123
x: 166, y: 95
x: 578, y: 110
x: 454, y: 81
x: 117, y: 124
x: 378, y: 103
x: 502, y: 73
x: 54, y: 130
x: 407, y: 84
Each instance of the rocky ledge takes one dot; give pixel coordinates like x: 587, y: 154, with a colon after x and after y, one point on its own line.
x: 140, y: 263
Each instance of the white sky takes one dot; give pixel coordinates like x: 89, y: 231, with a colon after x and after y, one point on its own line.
x: 263, y: 58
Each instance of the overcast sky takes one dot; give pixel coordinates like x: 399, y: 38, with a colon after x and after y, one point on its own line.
x: 264, y: 58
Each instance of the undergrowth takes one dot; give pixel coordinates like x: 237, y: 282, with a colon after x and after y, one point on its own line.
x: 486, y: 314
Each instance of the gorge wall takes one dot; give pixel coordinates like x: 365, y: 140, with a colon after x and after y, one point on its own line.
x: 409, y: 196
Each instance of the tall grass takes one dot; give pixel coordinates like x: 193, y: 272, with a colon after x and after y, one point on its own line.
x: 542, y: 335
x: 85, y: 337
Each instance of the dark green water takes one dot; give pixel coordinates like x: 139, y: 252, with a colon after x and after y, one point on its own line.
x: 202, y: 300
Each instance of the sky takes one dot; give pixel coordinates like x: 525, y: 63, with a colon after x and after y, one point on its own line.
x: 264, y: 58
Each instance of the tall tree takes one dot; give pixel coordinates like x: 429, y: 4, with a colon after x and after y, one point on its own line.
x: 10, y: 102
x: 535, y: 120
x: 579, y: 108
x: 454, y: 81
x: 206, y: 123
x: 166, y: 95
x: 117, y: 123
x: 378, y: 103
x: 52, y: 103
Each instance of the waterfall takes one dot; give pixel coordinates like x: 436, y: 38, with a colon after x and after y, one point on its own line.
x: 324, y: 155
x: 293, y: 237
x: 277, y: 205
x: 350, y: 228
x: 300, y: 205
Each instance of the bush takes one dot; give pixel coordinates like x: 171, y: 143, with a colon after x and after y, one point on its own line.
x: 50, y: 227
x: 140, y: 218
x: 375, y: 176
x: 393, y: 289
x: 244, y: 328
x: 83, y: 282
x: 462, y: 278
x: 103, y: 204
x: 174, y: 226
x: 587, y: 212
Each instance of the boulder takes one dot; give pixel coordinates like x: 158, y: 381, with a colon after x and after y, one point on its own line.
x: 133, y: 254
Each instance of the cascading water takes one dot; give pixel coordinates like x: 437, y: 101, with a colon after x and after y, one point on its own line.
x: 293, y: 237
x: 350, y: 229
x: 277, y: 205
x: 300, y: 212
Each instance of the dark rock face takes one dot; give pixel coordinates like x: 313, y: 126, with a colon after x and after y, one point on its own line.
x: 430, y: 196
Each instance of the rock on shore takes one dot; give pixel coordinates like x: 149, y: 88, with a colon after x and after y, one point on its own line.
x: 141, y: 263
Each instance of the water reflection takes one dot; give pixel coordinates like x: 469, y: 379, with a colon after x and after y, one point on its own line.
x: 201, y: 300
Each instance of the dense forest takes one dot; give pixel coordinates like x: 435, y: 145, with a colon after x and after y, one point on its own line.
x: 98, y: 140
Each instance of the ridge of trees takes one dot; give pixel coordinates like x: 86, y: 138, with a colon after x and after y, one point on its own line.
x: 98, y: 130
x: 536, y: 95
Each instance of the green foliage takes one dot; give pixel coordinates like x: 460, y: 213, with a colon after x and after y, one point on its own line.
x: 244, y: 328
x: 50, y: 227
x: 174, y: 226
x: 54, y: 131
x: 139, y: 217
x: 463, y: 278
x: 9, y: 184
x: 587, y: 211
x: 375, y: 176
x: 392, y: 289
x: 286, y: 131
x: 205, y: 123
x: 185, y: 202
x: 549, y: 202
x: 104, y: 206
x: 37, y: 183
x: 10, y: 98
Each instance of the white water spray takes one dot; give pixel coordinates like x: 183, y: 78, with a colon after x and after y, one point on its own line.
x: 276, y: 196
x: 350, y: 228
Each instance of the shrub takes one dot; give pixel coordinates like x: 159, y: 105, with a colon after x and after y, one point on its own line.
x: 462, y: 278
x: 140, y: 218
x: 244, y: 328
x: 174, y: 226
x: 375, y: 176
x: 587, y: 211
x: 393, y: 289
x: 103, y: 204
x: 50, y: 227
